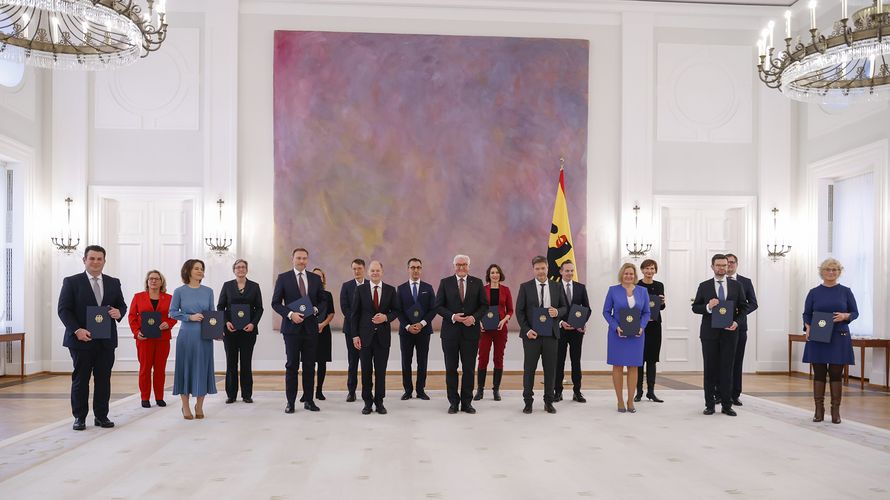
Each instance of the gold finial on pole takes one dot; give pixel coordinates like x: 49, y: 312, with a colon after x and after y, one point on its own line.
x: 562, y: 162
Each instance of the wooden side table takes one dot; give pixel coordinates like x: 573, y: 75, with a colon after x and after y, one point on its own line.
x: 20, y: 337
x: 874, y: 344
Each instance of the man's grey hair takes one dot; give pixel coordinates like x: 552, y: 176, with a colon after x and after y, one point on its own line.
x: 461, y: 256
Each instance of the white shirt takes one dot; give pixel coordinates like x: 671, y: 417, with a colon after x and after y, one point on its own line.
x: 359, y: 283
x: 546, y: 292
x: 631, y: 302
x: 99, y: 279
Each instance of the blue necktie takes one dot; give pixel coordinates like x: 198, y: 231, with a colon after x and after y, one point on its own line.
x: 414, y: 291
x: 721, y: 296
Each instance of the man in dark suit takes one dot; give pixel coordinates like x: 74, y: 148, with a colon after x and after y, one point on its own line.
x: 534, y: 294
x: 570, y: 339
x: 748, y: 286
x: 300, y: 330
x: 347, y: 292
x: 374, y: 307
x: 461, y: 302
x: 415, y: 333
x: 90, y: 356
x: 718, y: 345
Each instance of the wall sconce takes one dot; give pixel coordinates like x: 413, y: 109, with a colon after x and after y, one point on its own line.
x: 637, y: 249
x: 219, y: 244
x: 63, y: 244
x: 776, y: 251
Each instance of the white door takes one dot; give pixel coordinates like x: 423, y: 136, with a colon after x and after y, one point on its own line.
x: 691, y: 235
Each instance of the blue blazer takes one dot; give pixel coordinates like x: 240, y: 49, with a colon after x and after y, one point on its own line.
x: 616, y: 300
x: 426, y: 296
x: 75, y: 296
x: 347, y: 292
x: 287, y: 290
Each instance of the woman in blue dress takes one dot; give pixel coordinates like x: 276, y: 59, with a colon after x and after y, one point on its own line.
x: 193, y: 374
x: 830, y: 358
x: 625, y: 349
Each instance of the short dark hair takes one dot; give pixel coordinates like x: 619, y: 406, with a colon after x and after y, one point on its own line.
x: 240, y: 261
x: 488, y: 273
x: 360, y: 262
x: 539, y: 259
x: 648, y: 263
x: 567, y: 261
x: 716, y: 257
x: 414, y: 259
x: 93, y: 248
x: 186, y: 271
x: 299, y: 249
x: 734, y: 256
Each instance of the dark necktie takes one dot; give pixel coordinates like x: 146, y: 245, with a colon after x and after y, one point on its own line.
x: 569, y: 293
x: 461, y: 288
x: 414, y: 291
x: 301, y: 284
x: 721, y: 295
x: 376, y: 299
x: 542, y: 294
x: 97, y: 291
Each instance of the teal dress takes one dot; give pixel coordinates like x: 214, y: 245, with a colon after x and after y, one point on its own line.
x: 193, y: 372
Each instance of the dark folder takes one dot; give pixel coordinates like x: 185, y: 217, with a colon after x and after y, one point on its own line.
x: 821, y: 327
x: 630, y: 321
x: 491, y: 318
x: 302, y: 306
x: 721, y: 314
x: 98, y: 322
x: 212, y: 325
x: 151, y: 325
x: 414, y: 314
x: 240, y: 315
x: 578, y: 316
x: 543, y: 323
x: 655, y: 307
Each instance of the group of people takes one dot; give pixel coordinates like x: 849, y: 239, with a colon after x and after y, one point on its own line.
x: 370, y: 306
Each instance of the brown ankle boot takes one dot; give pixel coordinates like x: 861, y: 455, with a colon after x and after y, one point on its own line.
x: 819, y: 400
x: 837, y: 390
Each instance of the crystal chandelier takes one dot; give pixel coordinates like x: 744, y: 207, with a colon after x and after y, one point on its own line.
x: 849, y: 63
x: 81, y: 34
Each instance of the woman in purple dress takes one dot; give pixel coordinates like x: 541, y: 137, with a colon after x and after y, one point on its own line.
x: 625, y: 349
x: 830, y: 358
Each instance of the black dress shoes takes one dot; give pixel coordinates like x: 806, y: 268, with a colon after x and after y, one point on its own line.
x: 289, y: 408
x: 452, y: 409
x: 729, y: 411
x: 708, y: 411
x: 528, y: 408
x: 496, y: 394
x: 407, y: 396
x: 350, y: 398
x: 381, y: 409
x: 309, y: 405
x: 367, y: 409
x: 303, y: 398
x: 557, y: 397
x: 652, y: 397
x: 161, y: 402
x: 79, y: 424
x: 638, y: 397
x: 548, y: 407
x: 319, y: 396
x: 247, y: 400
x: 578, y: 397
x: 736, y: 402
x: 146, y: 404
x: 230, y: 401
x: 468, y: 408
x: 422, y: 395
x: 103, y: 422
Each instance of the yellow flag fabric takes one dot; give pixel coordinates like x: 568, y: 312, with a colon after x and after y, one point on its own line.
x: 560, y: 247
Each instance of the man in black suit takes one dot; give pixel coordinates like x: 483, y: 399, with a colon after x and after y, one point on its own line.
x: 534, y: 294
x: 570, y: 339
x: 90, y: 356
x: 299, y: 329
x: 415, y: 333
x: 461, y: 302
x: 748, y: 286
x: 718, y: 345
x: 347, y: 292
x: 374, y: 307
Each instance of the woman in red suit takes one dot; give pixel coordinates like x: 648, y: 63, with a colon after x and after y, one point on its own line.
x: 498, y: 295
x: 152, y: 353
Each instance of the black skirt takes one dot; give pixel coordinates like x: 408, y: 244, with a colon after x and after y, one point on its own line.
x: 652, y: 344
x: 323, y: 351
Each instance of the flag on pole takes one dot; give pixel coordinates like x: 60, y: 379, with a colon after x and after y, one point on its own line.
x: 560, y: 247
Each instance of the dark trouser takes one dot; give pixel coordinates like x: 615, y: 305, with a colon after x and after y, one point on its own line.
x: 569, y: 343
x: 460, y: 348
x: 737, y: 364
x: 650, y: 377
x: 239, y: 346
x: 97, y: 361
x: 300, y: 347
x: 374, y: 356
x: 545, y: 349
x: 321, y: 370
x: 408, y: 343
x: 352, y: 356
x: 718, y: 355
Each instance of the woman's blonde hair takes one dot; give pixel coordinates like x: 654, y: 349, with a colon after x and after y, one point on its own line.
x: 831, y: 262
x: 163, y: 280
x: 628, y: 265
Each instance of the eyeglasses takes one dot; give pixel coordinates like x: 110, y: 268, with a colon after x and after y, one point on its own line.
x: 461, y: 265
x: 831, y: 270
x: 154, y: 279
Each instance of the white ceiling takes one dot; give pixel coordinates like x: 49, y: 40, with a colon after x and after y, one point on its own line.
x: 770, y: 3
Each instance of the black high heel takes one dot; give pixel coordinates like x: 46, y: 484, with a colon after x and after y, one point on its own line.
x: 652, y: 397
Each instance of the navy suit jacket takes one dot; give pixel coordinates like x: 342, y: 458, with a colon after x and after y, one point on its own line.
x: 748, y: 288
x: 287, y: 291
x: 363, y: 310
x: 347, y: 292
x: 426, y: 297
x: 75, y: 296
x: 705, y: 293
x: 579, y: 296
x: 527, y: 301
x: 448, y: 302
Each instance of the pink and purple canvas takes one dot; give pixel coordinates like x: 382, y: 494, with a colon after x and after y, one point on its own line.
x: 391, y: 146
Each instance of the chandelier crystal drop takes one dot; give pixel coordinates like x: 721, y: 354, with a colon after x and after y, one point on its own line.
x: 81, y: 34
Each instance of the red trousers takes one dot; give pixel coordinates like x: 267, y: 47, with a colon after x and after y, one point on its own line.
x: 486, y: 339
x: 152, y: 354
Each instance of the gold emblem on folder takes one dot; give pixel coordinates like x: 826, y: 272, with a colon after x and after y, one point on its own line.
x: 722, y: 311
x: 212, y: 321
x: 416, y: 314
x: 651, y: 303
x: 822, y: 323
x: 303, y: 308
x: 151, y: 322
x: 490, y: 314
x: 240, y: 314
x: 542, y: 318
x: 99, y: 318
x: 577, y: 314
x: 629, y: 318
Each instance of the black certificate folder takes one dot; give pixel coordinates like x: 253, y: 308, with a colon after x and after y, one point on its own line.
x: 722, y: 313
x: 630, y: 321
x: 821, y: 327
x: 577, y: 317
x: 212, y: 325
x: 543, y: 323
x: 98, y: 322
x: 491, y: 318
x: 240, y: 315
x: 151, y: 325
x: 302, y: 306
x: 654, y: 307
x: 414, y: 314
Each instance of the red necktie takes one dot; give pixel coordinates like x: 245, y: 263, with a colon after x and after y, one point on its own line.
x: 376, y: 299
x: 302, y: 285
x: 461, y: 282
